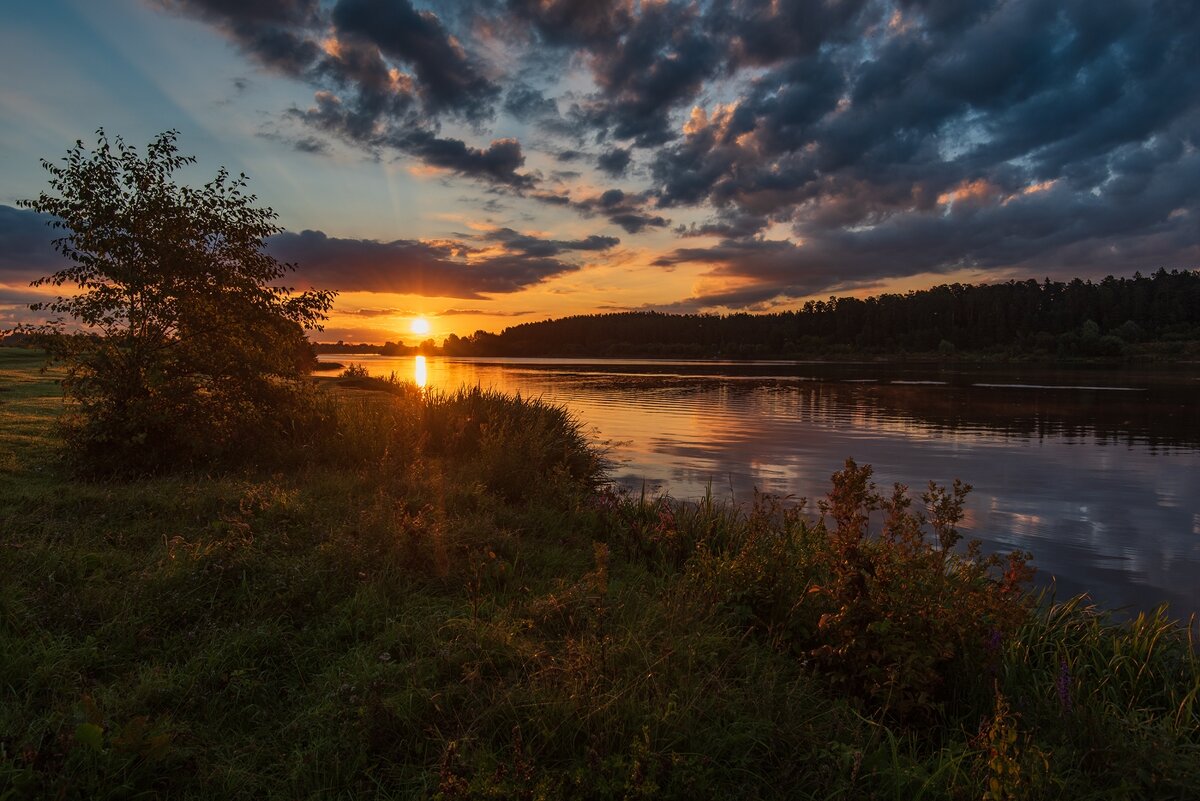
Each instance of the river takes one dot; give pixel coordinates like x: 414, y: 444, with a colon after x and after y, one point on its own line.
x: 1096, y: 472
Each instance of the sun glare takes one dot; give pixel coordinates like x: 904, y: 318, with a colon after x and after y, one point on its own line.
x: 420, y: 372
x: 420, y: 325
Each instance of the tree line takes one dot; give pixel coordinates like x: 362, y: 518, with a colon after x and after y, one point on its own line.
x: 1080, y: 318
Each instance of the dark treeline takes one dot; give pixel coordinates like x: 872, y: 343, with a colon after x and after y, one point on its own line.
x: 1115, y: 317
x: 386, y: 349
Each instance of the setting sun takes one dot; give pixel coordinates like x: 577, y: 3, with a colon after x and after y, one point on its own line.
x: 420, y: 326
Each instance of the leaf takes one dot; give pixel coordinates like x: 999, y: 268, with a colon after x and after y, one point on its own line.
x: 90, y: 735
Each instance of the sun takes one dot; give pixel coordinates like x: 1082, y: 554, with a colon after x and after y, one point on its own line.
x: 419, y: 325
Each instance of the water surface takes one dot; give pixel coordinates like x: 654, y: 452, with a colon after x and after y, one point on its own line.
x: 1097, y: 472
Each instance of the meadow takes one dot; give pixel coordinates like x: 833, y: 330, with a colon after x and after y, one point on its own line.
x: 439, y: 597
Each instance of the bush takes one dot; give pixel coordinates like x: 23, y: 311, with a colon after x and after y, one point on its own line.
x: 517, y: 447
x: 901, y: 621
x: 185, y: 350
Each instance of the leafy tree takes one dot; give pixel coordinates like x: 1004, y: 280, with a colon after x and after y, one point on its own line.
x: 181, y: 347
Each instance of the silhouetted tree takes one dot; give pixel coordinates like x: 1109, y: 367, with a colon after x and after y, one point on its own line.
x: 183, y: 347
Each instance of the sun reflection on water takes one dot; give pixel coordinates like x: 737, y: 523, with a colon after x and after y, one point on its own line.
x: 420, y: 372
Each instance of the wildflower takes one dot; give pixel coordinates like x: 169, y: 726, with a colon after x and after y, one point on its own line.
x: 666, y: 518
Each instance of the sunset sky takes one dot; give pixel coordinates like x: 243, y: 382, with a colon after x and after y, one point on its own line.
x: 494, y: 162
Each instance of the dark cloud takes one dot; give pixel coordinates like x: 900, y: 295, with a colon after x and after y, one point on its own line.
x: 393, y: 312
x: 25, y: 249
x: 551, y: 198
x: 19, y: 299
x: 764, y: 32
x: 614, y: 162
x: 536, y: 246
x: 631, y: 211
x: 446, y: 75
x: 661, y: 60
x: 527, y: 104
x: 635, y: 222
x: 436, y: 269
x: 574, y: 22
x: 356, y: 43
x: 276, y: 33
x: 498, y: 163
x: 624, y: 209
x: 377, y: 312
x: 729, y: 224
x: 310, y: 144
x: 628, y: 210
x: 471, y: 312
x: 302, y: 143
x: 892, y: 137
x: 1052, y: 231
x: 357, y: 53
x: 1046, y: 136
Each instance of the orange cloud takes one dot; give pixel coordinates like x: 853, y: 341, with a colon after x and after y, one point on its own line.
x: 978, y: 191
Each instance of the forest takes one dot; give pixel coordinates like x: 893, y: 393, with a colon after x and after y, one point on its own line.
x: 1156, y: 315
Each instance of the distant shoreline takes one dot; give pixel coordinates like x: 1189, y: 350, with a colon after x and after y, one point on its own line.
x: 932, y: 359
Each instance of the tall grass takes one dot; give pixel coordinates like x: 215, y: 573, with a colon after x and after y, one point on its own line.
x: 973, y: 686
x: 518, y: 446
x: 1116, y: 703
x: 435, y: 600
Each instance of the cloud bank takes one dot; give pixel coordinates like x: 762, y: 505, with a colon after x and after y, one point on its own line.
x: 795, y: 147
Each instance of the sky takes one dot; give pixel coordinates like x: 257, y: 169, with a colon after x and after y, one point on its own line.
x: 483, y: 164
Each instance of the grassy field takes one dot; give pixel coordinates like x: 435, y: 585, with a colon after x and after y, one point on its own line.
x: 444, y: 601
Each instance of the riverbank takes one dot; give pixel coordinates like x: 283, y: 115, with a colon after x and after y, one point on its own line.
x: 438, y: 601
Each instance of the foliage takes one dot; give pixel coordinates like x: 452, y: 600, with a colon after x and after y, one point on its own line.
x: 184, y: 348
x: 380, y: 622
x: 521, y: 445
x: 899, y: 621
x: 1090, y: 683
x: 1015, y: 768
x: 355, y: 371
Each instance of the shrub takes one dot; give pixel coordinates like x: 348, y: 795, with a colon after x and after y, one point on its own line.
x: 185, y: 350
x: 516, y: 447
x: 901, y: 621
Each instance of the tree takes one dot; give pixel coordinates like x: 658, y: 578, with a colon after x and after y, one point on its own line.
x: 182, y: 347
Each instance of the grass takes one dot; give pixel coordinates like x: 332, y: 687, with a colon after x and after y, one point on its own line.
x: 443, y: 602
